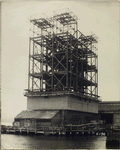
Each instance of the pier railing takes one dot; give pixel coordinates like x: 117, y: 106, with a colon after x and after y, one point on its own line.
x: 89, y: 128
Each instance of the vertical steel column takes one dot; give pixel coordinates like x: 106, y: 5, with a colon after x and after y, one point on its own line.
x: 87, y: 69
x: 32, y: 58
x: 46, y: 56
x: 82, y: 70
x: 91, y: 70
x: 67, y: 60
x: 52, y: 36
x: 29, y: 64
x: 46, y: 66
x: 77, y: 57
x: 41, y: 64
x: 70, y: 63
x: 33, y: 68
x: 97, y: 75
x: 95, y: 66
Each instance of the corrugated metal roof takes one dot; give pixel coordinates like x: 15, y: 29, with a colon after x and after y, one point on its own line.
x: 36, y: 114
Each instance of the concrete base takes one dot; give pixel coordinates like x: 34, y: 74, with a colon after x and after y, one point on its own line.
x: 64, y: 102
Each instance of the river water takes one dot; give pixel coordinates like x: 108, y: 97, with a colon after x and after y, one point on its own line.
x: 12, y: 141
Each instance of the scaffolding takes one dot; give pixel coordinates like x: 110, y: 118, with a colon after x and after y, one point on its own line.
x: 62, y: 60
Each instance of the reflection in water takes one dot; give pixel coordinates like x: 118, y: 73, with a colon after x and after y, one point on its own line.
x: 11, y: 141
x: 112, y: 145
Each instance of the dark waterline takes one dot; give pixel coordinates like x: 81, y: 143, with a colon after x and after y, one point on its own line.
x: 11, y: 141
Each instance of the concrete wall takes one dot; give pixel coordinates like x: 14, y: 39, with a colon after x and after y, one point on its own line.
x: 39, y: 103
x: 116, y: 119
x: 109, y: 106
x: 61, y: 103
x: 74, y: 103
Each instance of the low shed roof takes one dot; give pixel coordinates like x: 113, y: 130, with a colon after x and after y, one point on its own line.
x: 36, y: 114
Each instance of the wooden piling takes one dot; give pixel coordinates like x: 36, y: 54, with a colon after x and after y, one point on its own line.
x: 113, y: 137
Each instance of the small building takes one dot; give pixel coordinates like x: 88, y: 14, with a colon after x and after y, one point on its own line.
x: 36, y: 119
x: 110, y: 112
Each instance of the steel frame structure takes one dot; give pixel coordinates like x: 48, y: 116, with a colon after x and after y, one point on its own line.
x: 61, y: 58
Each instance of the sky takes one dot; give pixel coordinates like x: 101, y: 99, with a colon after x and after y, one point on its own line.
x: 100, y: 18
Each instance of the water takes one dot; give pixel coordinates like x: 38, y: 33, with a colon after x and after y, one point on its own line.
x: 11, y: 141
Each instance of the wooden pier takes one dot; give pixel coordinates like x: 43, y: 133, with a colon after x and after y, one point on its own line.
x: 40, y: 130
x: 82, y: 129
x: 85, y: 129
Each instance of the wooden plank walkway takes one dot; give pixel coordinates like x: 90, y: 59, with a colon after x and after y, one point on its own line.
x: 89, y: 128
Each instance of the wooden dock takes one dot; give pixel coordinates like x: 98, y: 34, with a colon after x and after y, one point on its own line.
x: 82, y: 129
x: 85, y: 129
x: 40, y: 130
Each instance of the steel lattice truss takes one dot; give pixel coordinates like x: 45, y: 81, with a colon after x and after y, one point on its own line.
x: 61, y: 58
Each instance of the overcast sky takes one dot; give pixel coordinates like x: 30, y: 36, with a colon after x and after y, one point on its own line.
x: 100, y: 18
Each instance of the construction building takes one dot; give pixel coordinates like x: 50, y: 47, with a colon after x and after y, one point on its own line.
x: 63, y: 73
x: 110, y: 112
